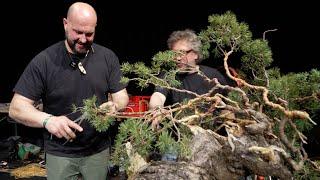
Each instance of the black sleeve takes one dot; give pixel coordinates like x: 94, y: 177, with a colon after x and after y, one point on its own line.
x: 31, y: 82
x: 115, y: 73
x: 161, y: 90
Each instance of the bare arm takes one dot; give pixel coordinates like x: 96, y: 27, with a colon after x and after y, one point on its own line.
x: 22, y: 110
x: 157, y: 100
x: 119, y: 100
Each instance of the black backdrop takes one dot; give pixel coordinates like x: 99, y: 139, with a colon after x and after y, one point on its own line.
x: 136, y: 30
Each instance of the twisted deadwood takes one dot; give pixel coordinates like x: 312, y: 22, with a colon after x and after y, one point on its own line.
x: 213, y: 158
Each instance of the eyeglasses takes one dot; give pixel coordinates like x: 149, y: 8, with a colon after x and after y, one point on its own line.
x: 183, y: 52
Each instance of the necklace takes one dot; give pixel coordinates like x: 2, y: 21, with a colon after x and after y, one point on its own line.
x: 78, y: 63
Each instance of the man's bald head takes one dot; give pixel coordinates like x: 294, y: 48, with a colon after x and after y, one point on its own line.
x: 80, y: 11
x: 80, y: 27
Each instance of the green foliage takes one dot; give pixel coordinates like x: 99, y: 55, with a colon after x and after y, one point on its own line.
x: 145, y: 141
x: 225, y: 32
x: 257, y: 57
x: 126, y: 68
x: 124, y: 80
x: 184, y: 142
x: 170, y: 78
x: 74, y: 108
x: 139, y: 134
x: 295, y: 88
x: 162, y: 61
x: 303, y: 125
x: 235, y: 96
x: 308, y: 172
x: 257, y: 54
x: 98, y: 120
x: 184, y: 146
x: 166, y: 144
x: 138, y: 68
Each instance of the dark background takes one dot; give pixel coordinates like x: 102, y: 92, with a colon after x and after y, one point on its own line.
x: 135, y: 31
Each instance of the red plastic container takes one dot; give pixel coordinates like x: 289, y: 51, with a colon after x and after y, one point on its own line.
x: 137, y: 105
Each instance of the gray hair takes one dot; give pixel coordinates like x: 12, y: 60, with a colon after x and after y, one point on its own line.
x: 189, y: 36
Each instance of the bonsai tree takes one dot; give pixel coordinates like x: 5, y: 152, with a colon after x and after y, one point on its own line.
x: 271, y: 111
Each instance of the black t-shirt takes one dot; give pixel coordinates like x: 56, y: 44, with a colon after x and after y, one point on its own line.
x: 195, y: 83
x: 50, y: 77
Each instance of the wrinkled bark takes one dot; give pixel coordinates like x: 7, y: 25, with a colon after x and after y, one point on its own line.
x: 173, y: 170
x: 214, y: 158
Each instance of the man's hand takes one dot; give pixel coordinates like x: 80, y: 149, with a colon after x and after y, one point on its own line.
x: 156, y: 103
x: 157, y: 116
x: 156, y: 119
x: 110, y: 106
x: 61, y: 126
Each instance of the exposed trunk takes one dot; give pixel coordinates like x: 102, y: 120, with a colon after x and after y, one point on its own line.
x: 214, y: 158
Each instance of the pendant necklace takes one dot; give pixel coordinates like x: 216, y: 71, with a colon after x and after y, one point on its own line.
x: 79, y: 64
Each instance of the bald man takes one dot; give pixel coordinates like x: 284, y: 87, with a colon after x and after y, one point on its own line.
x: 64, y: 74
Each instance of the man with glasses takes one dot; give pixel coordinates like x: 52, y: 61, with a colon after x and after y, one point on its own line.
x: 187, y: 45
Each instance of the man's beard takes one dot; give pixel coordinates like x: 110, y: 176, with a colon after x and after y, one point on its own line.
x: 72, y: 44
